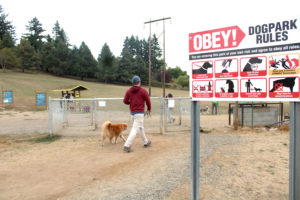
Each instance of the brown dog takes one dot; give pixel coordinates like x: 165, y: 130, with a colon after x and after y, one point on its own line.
x: 112, y: 130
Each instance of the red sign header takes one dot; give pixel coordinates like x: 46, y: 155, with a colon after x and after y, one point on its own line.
x: 223, y: 38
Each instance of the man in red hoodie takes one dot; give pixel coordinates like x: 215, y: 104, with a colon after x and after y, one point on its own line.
x: 136, y: 96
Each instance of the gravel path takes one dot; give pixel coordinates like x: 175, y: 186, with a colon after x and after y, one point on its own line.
x: 155, y: 178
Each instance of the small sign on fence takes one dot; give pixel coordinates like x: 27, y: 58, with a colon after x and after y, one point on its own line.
x: 41, y: 98
x: 7, y: 96
x: 102, y: 103
x: 171, y: 103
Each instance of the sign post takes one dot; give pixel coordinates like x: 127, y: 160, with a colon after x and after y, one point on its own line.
x: 195, y: 149
x: 255, y: 62
x: 294, y: 150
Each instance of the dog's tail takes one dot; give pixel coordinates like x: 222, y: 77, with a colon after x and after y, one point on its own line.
x: 106, y: 124
x: 104, y: 128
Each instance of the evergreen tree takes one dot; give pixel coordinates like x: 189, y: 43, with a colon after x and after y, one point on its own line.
x: 87, y: 64
x: 59, y: 32
x: 125, y: 72
x: 156, y: 53
x: 56, y: 30
x: 7, y: 41
x: 140, y: 69
x: 37, y: 59
x: 8, y: 58
x: 75, y: 62
x: 6, y: 26
x: 60, y: 59
x: 47, y: 54
x: 134, y: 48
x: 35, y: 33
x: 26, y: 54
x: 107, y: 65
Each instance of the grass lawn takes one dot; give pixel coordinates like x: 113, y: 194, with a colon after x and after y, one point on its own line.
x: 24, y: 86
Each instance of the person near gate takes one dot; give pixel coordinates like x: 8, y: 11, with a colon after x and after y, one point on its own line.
x: 136, y: 97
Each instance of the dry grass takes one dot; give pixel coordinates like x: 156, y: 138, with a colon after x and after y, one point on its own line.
x: 25, y: 85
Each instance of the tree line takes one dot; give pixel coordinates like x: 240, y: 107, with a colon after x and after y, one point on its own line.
x: 54, y: 54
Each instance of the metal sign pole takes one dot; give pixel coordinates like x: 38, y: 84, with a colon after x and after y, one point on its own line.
x: 195, y: 149
x: 294, y: 151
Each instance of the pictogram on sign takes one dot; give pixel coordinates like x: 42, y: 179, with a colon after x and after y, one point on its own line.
x: 285, y: 87
x: 226, y: 68
x: 203, y: 88
x: 202, y: 69
x: 253, y: 88
x: 253, y: 66
x: 227, y: 88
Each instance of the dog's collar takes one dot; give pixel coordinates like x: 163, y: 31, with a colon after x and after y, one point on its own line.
x: 201, y: 67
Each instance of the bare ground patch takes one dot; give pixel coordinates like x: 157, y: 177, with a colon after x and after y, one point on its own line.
x: 242, y: 164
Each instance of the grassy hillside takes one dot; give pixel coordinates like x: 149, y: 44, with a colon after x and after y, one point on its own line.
x: 24, y: 86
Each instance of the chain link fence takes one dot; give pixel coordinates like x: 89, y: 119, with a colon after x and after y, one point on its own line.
x: 85, y: 116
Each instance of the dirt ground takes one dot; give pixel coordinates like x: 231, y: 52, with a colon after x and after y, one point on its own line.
x: 256, y: 168
x: 243, y: 164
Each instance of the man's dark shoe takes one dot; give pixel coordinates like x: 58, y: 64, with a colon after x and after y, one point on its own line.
x: 148, y: 144
x: 127, y: 149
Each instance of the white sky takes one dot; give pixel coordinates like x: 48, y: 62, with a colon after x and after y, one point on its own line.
x: 98, y: 21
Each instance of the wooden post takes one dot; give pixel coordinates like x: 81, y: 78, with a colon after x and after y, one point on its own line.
x: 236, y: 116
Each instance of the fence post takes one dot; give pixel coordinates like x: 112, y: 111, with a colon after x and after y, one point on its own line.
x: 92, y: 111
x: 63, y: 111
x: 294, y: 175
x: 95, y: 107
x: 161, y: 115
x: 50, y: 117
x: 180, y: 110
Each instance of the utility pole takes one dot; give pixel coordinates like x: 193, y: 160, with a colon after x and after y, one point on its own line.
x: 164, y: 59
x: 149, y: 77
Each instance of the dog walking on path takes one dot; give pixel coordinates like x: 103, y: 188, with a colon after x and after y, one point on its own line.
x: 112, y: 130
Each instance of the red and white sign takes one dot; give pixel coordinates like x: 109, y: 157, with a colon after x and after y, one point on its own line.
x: 255, y: 62
x: 222, y: 38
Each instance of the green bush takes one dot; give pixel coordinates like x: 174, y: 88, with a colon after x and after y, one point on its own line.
x: 183, y: 81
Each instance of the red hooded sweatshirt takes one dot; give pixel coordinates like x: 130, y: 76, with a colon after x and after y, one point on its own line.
x: 136, y: 97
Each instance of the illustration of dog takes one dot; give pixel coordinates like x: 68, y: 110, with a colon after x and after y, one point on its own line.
x: 230, y: 86
x: 204, y: 110
x: 286, y: 82
x: 112, y: 130
x: 222, y: 90
x: 257, y: 89
x: 251, y: 61
x: 202, y: 69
